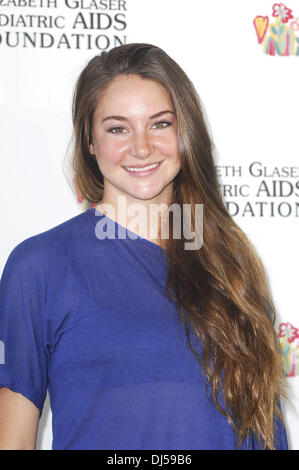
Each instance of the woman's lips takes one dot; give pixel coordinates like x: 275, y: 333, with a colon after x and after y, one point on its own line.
x: 140, y: 173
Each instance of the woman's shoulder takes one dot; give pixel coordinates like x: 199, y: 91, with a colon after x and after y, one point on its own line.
x: 39, y: 250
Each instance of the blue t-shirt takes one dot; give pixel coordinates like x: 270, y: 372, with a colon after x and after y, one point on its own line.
x: 88, y: 319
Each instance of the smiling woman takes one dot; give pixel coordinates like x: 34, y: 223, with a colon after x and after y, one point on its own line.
x: 142, y: 344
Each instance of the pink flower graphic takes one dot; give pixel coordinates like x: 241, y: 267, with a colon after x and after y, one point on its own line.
x: 288, y: 330
x: 285, y: 14
x: 295, y: 24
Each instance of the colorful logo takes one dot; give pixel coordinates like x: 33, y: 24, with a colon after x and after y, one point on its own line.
x: 289, y: 341
x: 278, y: 38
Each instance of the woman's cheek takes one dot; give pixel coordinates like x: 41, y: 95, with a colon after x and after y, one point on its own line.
x: 114, y: 154
x: 167, y: 148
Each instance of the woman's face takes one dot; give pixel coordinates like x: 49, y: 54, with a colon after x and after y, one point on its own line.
x: 134, y: 126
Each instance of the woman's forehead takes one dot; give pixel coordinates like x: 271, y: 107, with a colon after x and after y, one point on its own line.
x: 132, y: 92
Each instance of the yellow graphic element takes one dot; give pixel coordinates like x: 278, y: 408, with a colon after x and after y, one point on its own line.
x: 290, y: 356
x: 261, y: 25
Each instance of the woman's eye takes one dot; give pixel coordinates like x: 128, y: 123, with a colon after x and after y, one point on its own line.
x: 116, y: 130
x: 162, y: 124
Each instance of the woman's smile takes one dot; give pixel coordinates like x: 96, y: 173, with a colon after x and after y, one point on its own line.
x: 144, y: 170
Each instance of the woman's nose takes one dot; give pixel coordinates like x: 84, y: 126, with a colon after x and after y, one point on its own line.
x: 141, y: 145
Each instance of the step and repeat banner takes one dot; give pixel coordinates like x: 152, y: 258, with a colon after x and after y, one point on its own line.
x: 243, y: 58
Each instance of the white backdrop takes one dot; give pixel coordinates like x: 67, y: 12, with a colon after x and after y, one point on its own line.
x: 251, y: 102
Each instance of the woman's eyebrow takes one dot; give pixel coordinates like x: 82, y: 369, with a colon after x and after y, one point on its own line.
x: 123, y: 118
x: 154, y: 116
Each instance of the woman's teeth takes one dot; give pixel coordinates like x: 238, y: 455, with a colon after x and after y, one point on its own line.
x: 149, y: 167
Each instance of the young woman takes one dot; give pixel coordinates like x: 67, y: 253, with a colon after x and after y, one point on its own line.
x: 142, y: 342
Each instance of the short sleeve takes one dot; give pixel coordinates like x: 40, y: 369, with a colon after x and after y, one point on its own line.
x: 23, y: 361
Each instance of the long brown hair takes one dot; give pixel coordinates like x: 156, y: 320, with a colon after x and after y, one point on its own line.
x: 221, y: 288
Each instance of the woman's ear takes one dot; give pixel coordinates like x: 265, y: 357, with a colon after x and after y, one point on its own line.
x: 91, y: 150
